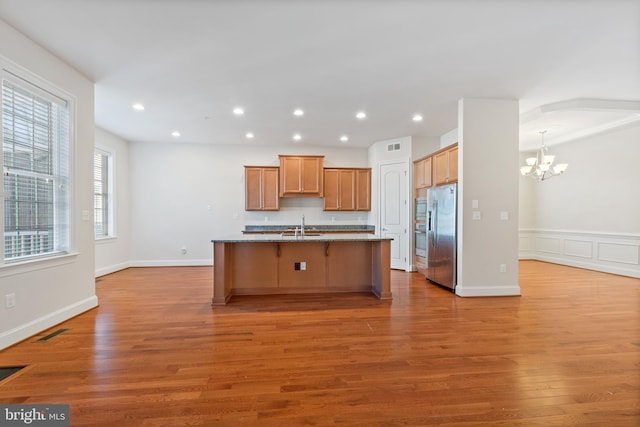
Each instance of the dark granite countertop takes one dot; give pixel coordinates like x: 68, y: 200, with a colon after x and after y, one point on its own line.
x: 273, y: 237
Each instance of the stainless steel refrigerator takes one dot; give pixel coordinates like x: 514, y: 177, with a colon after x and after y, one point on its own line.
x: 441, y: 235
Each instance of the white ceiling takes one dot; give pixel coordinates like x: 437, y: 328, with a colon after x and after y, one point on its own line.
x: 192, y: 61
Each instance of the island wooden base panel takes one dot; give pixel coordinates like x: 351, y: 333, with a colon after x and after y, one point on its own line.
x: 264, y: 268
x: 155, y: 353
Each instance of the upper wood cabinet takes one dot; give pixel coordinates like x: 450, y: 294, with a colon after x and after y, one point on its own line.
x: 261, y: 188
x: 445, y: 166
x: 339, y: 189
x: 347, y: 189
x: 422, y: 173
x: 301, y: 176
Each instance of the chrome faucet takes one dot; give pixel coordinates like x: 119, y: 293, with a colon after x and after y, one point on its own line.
x: 302, y: 226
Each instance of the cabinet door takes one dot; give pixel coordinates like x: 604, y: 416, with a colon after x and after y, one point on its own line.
x: 363, y: 189
x: 422, y: 173
x: 426, y: 178
x: 347, y: 190
x: 453, y: 164
x: 270, y: 194
x: 441, y: 168
x: 311, y: 175
x: 253, y: 189
x: 418, y: 174
x: 290, y: 169
x: 331, y: 190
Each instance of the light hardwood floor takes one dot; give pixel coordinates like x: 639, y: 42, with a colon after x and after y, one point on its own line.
x: 156, y: 353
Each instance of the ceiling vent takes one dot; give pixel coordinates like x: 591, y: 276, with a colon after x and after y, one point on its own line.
x: 393, y: 147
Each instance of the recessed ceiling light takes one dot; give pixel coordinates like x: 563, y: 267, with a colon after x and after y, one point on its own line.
x: 249, y: 135
x: 344, y: 138
x: 137, y: 106
x: 297, y: 137
x: 361, y: 115
x: 175, y: 134
x: 298, y: 112
x: 238, y: 111
x: 417, y: 118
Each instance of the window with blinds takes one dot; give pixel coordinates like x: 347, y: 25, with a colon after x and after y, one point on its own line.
x: 102, y: 200
x: 35, y: 160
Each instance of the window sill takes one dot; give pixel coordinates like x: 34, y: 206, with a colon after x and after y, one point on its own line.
x: 21, y: 267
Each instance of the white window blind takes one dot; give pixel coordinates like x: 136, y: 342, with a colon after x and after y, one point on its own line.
x: 102, y: 194
x: 36, y: 161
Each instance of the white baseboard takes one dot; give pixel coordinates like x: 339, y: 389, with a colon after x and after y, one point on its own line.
x: 111, y: 269
x: 172, y: 263
x: 615, y: 253
x: 487, y: 291
x: 38, y: 325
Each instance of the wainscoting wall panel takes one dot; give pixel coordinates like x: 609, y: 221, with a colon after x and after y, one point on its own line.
x: 578, y: 248
x: 615, y: 253
x: 618, y: 252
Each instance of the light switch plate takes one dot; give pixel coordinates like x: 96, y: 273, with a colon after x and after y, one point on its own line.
x: 504, y: 215
x: 476, y: 216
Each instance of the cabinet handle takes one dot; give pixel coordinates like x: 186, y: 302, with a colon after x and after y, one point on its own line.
x: 326, y: 249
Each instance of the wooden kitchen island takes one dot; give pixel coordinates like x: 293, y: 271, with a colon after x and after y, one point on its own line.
x: 266, y: 264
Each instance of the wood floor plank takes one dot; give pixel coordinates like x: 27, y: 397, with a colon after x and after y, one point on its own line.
x: 156, y: 353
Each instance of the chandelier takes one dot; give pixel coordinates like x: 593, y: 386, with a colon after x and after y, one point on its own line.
x: 540, y: 167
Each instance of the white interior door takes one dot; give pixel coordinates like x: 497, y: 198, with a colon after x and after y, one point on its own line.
x: 393, y: 210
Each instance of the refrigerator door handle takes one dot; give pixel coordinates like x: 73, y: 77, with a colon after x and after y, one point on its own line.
x: 435, y: 223
x: 429, y: 221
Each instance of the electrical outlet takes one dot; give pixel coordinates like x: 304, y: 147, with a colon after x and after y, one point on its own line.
x: 303, y: 265
x: 10, y: 300
x: 503, y: 268
x: 183, y: 250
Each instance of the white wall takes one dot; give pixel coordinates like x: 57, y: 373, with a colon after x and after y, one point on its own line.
x: 488, y: 171
x: 449, y: 138
x: 527, y: 199
x: 51, y: 291
x: 590, y: 216
x: 184, y: 195
x: 112, y: 254
x: 422, y: 146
